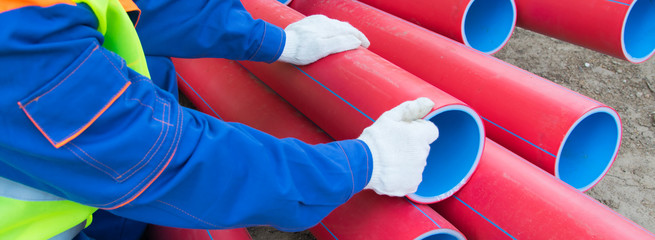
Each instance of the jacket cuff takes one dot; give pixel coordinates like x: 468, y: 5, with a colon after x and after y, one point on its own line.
x: 272, y: 44
x: 361, y: 170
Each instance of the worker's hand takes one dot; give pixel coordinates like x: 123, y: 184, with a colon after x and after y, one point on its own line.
x: 317, y: 36
x: 400, y: 143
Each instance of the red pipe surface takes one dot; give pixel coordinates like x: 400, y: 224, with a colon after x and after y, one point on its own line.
x: 509, y: 198
x: 366, y: 215
x: 343, y: 94
x: 156, y: 232
x: 485, y: 25
x: 266, y: 109
x: 370, y: 216
x: 621, y: 28
x: 569, y: 135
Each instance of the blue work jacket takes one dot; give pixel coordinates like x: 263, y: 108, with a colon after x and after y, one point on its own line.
x: 144, y: 156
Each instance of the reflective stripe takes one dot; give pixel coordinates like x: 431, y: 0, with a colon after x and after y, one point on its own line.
x: 70, y: 233
x: 14, y: 190
x: 28, y: 213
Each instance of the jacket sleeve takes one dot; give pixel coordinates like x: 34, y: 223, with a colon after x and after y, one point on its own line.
x: 76, y: 122
x: 207, y: 28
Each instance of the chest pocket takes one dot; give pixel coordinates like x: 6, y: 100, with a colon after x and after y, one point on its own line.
x: 65, y: 107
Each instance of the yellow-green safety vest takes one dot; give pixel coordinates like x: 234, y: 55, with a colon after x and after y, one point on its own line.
x: 28, y: 213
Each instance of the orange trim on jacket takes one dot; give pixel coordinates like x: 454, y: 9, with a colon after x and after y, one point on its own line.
x: 79, y: 131
x: 132, y: 10
x: 8, y: 5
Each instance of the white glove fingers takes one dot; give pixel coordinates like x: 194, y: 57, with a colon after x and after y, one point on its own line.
x: 410, y: 110
x: 418, y: 109
x: 341, y: 43
x: 400, y: 144
x: 396, y: 113
x: 346, y: 28
x: 365, y: 42
x: 428, y: 130
x: 337, y: 27
x: 317, y: 36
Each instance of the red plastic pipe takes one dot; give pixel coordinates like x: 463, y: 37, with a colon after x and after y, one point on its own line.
x: 485, y: 25
x: 621, y: 28
x: 265, y: 109
x: 366, y: 215
x: 569, y: 135
x: 156, y: 232
x: 344, y: 93
x: 370, y: 216
x: 509, y: 198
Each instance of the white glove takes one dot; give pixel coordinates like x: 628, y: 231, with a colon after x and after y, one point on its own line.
x: 400, y: 143
x: 317, y: 36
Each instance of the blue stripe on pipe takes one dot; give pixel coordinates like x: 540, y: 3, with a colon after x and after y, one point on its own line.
x: 194, y: 91
x: 306, y: 74
x: 525, y: 140
x: 426, y: 215
x: 618, y: 2
x: 209, y: 234
x: 534, y: 145
x: 326, y: 228
x: 335, y: 94
x: 485, y: 218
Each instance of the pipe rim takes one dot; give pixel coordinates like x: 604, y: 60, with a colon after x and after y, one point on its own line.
x: 603, y: 145
x: 461, y: 137
x: 637, y: 33
x: 441, y: 234
x: 498, y: 34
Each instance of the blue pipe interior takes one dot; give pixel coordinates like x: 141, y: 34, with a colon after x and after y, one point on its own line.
x: 488, y: 24
x: 639, y: 30
x: 589, y: 150
x: 453, y: 155
x: 441, y: 236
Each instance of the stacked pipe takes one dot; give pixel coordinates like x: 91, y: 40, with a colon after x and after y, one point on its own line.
x: 226, y: 91
x: 344, y: 93
x: 506, y: 197
x: 485, y: 25
x: 212, y: 86
x: 509, y: 198
x: 621, y: 28
x: 370, y: 216
x: 569, y: 135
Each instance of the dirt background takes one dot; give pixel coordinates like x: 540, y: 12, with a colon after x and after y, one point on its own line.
x: 629, y: 186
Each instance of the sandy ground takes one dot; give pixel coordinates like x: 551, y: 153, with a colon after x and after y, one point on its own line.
x: 629, y: 186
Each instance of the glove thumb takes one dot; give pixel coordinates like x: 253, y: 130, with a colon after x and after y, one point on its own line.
x: 410, y: 110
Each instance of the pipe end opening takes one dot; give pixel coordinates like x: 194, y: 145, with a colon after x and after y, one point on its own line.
x: 589, y: 149
x: 488, y: 24
x: 638, y: 38
x: 453, y: 156
x: 441, y: 234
